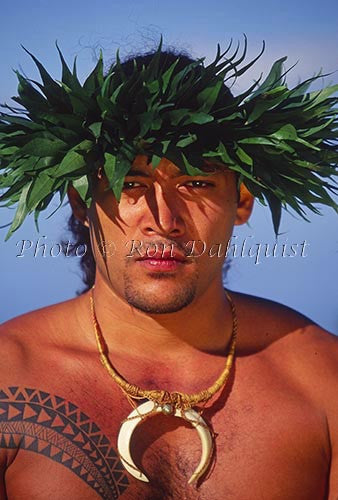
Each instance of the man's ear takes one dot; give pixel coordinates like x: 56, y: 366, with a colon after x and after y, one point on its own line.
x: 244, y: 206
x: 79, y: 207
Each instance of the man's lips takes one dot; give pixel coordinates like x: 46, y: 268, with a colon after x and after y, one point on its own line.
x: 169, y: 264
x: 164, y: 256
x: 165, y: 260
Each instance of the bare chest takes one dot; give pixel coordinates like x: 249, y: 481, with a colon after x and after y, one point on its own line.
x: 260, y: 452
x: 269, y: 443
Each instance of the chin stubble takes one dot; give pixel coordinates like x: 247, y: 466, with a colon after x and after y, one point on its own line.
x: 152, y: 303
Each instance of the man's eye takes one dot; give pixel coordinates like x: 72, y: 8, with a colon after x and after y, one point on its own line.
x: 131, y: 185
x: 198, y: 184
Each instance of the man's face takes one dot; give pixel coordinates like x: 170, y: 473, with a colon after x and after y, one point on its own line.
x: 153, y: 247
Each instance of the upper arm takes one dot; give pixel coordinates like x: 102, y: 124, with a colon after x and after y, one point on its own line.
x: 3, y: 494
x: 12, y: 363
x: 332, y: 416
x: 3, y: 466
x: 331, y: 403
x: 312, y: 355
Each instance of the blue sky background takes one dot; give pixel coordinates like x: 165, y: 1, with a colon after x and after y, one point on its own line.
x: 305, y: 31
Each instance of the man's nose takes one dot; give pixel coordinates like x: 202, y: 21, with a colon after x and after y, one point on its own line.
x: 163, y: 213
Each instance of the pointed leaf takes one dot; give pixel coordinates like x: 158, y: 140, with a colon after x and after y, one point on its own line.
x: 95, y: 128
x: 276, y: 210
x: 21, y: 211
x: 96, y: 78
x: 191, y: 170
x: 122, y: 167
x: 155, y: 161
x: 208, y: 96
x: 198, y: 118
x: 43, y: 147
x: 186, y: 141
x: 109, y: 167
x: 40, y: 188
x: 242, y: 155
x: 167, y: 75
x: 273, y: 77
x: 82, y: 186
x: 72, y: 162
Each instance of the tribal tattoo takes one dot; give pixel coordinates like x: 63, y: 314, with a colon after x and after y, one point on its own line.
x: 51, y: 426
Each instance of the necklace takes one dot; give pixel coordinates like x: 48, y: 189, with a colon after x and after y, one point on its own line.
x: 178, y: 404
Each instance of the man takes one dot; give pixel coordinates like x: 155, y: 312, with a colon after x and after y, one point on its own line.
x: 162, y: 324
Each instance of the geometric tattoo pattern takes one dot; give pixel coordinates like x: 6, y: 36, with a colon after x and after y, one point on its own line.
x: 51, y: 426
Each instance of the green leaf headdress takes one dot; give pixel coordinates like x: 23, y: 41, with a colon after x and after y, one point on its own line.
x: 281, y: 142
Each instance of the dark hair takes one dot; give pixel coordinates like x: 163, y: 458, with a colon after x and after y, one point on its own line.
x: 80, y: 237
x: 80, y: 233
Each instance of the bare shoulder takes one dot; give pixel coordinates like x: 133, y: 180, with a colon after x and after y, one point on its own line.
x: 292, y: 343
x: 29, y: 335
x: 302, y: 356
x: 269, y: 321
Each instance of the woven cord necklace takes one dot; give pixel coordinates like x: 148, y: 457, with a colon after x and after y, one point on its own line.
x: 178, y: 404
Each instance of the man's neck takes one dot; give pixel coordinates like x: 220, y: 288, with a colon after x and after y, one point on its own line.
x: 204, y: 325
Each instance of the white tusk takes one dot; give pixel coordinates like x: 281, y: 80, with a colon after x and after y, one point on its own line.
x: 204, y: 433
x: 148, y: 408
x: 125, y: 435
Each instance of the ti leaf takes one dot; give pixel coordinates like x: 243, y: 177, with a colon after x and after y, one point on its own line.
x: 21, y: 211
